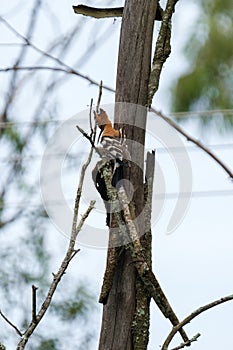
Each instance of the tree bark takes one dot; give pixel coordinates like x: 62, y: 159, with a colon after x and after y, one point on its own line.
x: 133, y: 73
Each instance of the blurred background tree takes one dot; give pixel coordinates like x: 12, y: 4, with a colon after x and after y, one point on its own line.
x: 32, y: 105
x: 207, y: 84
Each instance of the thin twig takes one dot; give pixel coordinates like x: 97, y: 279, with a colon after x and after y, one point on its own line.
x: 74, y: 253
x: 195, y: 141
x: 87, y: 137
x: 58, y: 69
x: 192, y: 316
x: 188, y: 343
x: 84, y: 217
x: 99, y: 97
x: 11, y: 324
x: 66, y: 67
x: 91, y: 138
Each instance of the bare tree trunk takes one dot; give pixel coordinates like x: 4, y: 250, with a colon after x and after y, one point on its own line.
x: 134, y: 64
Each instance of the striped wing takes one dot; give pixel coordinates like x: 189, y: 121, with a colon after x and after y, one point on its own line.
x: 112, y: 148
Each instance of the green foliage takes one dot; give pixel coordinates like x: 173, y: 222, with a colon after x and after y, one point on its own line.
x: 48, y: 344
x: 15, y: 139
x: 209, y: 82
x: 78, y: 305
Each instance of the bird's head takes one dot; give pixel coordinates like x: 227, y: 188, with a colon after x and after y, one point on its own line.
x: 102, y: 119
x: 105, y: 125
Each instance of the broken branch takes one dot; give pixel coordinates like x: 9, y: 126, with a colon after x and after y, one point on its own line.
x: 34, y: 289
x: 96, y: 12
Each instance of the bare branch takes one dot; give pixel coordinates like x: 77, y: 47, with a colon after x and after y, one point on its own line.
x: 11, y: 324
x: 70, y: 253
x: 192, y: 316
x: 193, y: 140
x: 162, y: 50
x: 98, y: 12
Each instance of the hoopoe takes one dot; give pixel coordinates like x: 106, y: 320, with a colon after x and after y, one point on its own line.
x: 113, y: 149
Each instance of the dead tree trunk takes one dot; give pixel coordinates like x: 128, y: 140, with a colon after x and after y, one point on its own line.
x: 119, y: 330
